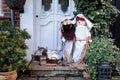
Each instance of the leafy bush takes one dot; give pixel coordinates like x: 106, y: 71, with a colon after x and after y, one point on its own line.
x: 12, y: 47
x: 102, y: 49
x: 102, y: 14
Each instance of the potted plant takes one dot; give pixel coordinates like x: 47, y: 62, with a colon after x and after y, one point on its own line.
x: 12, y: 49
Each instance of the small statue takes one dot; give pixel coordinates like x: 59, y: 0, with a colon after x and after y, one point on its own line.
x: 68, y: 39
x: 83, y: 37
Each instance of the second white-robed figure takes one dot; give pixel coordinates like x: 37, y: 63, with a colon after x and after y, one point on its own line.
x: 82, y: 35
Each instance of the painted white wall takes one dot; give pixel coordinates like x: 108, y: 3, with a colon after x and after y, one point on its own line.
x: 27, y: 22
x: 1, y: 12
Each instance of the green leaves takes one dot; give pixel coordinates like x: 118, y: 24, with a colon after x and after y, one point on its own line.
x: 12, y: 47
x: 101, y: 49
x: 100, y: 12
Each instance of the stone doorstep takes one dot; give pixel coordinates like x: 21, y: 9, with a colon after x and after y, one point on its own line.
x: 59, y: 78
x: 55, y: 73
x: 35, y: 66
x: 53, y: 70
x: 52, y: 78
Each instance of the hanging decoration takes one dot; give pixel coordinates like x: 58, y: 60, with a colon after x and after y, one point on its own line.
x: 16, y: 5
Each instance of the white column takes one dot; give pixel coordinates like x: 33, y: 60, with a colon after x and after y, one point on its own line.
x: 27, y: 22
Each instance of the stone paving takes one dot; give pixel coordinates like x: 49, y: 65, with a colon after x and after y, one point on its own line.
x: 61, y: 78
x: 53, y: 78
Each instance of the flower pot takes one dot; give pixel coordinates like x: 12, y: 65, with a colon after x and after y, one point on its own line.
x: 12, y: 75
x: 15, y: 4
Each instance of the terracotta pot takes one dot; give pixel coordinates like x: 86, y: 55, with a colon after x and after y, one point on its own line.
x: 12, y: 75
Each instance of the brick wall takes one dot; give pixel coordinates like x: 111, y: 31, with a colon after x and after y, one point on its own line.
x: 6, y: 12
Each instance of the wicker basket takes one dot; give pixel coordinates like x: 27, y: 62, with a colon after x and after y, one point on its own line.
x: 52, y: 60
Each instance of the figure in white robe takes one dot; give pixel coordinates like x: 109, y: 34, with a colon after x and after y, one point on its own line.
x: 68, y: 36
x: 82, y: 34
x: 83, y: 37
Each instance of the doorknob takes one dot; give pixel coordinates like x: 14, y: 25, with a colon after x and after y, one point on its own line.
x: 36, y: 16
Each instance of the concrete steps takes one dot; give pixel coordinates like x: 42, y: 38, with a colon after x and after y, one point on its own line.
x: 54, y: 71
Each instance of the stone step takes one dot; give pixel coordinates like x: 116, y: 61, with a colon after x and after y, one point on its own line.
x: 52, y: 78
x: 55, y: 73
x: 53, y: 70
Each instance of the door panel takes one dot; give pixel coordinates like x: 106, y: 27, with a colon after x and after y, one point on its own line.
x: 47, y: 39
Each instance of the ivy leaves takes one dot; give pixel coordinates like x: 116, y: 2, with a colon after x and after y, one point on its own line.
x: 102, y: 49
x: 100, y: 12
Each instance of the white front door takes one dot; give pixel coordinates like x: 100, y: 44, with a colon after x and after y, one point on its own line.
x: 48, y: 14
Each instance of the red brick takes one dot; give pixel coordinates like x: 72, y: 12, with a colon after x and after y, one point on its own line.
x: 6, y: 12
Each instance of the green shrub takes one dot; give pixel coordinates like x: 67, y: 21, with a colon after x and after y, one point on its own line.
x: 102, y: 14
x: 12, y: 47
x: 102, y: 49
